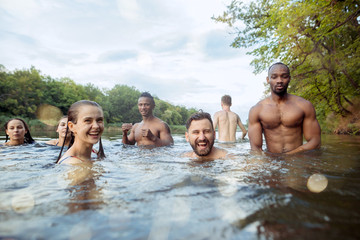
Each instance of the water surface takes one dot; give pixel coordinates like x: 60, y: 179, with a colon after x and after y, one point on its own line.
x: 157, y: 194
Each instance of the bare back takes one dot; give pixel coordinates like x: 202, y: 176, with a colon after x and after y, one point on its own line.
x: 227, y: 123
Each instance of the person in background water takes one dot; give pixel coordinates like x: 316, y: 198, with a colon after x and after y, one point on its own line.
x: 151, y: 131
x: 227, y: 122
x: 86, y: 122
x: 61, y: 130
x: 283, y: 118
x: 201, y: 136
x: 18, y: 131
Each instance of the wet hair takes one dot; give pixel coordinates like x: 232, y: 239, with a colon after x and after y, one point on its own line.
x: 226, y: 99
x: 148, y: 95
x: 64, y: 116
x: 200, y: 115
x: 27, y: 137
x: 278, y: 63
x: 72, y: 116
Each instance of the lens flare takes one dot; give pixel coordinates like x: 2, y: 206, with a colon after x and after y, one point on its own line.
x: 48, y: 114
x: 80, y: 231
x: 227, y: 186
x: 317, y: 183
x: 22, y: 202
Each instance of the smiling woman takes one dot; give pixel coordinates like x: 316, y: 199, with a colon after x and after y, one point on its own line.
x: 86, y: 122
x: 63, y: 134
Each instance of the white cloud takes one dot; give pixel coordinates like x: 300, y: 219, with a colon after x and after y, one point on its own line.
x: 128, y: 9
x: 21, y: 8
x: 171, y: 48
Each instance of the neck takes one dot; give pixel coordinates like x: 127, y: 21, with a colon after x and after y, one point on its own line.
x: 148, y: 118
x: 210, y: 156
x: 226, y: 108
x: 279, y: 98
x: 15, y: 142
x: 81, y: 150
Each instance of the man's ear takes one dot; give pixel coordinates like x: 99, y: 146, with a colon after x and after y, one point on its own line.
x: 187, y: 136
x: 267, y: 79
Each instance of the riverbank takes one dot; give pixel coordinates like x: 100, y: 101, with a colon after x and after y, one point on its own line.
x: 36, y: 125
x: 349, y: 125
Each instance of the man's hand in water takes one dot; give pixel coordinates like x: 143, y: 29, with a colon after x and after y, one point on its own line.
x: 126, y: 127
x: 147, y: 133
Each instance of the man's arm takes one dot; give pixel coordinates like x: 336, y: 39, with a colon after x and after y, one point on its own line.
x: 311, y: 130
x: 216, y: 120
x: 255, y: 130
x: 164, y: 139
x: 242, y: 127
x: 131, y: 138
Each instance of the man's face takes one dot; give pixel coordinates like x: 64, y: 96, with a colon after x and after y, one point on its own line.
x: 201, y: 137
x: 145, y: 106
x: 279, y: 78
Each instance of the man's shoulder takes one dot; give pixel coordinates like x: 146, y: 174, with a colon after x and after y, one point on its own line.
x: 219, y: 114
x: 260, y: 104
x: 158, y: 123
x: 221, y: 152
x: 300, y: 101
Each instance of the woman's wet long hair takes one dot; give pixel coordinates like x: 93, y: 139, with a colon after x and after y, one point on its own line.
x: 27, y: 136
x: 72, y: 117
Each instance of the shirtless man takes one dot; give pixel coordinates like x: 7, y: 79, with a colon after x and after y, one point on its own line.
x: 227, y: 121
x: 201, y: 136
x: 151, y: 131
x: 283, y: 118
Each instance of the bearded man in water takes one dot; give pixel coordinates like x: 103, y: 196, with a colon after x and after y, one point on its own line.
x: 201, y: 136
x: 283, y: 118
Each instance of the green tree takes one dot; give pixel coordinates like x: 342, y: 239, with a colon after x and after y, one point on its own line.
x: 319, y: 40
x: 122, y: 104
x: 21, y: 92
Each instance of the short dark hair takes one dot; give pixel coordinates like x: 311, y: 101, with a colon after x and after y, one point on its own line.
x: 226, y: 99
x: 148, y: 95
x: 278, y: 63
x: 200, y: 115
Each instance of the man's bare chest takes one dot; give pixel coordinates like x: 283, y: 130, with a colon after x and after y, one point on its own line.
x: 289, y: 117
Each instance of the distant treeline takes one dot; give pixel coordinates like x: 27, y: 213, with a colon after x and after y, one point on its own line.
x: 23, y: 91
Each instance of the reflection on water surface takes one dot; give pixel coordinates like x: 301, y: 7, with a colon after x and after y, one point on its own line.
x: 155, y: 194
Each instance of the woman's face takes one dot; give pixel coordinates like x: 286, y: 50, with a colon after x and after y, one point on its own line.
x: 89, y: 125
x: 16, y: 130
x: 61, y: 130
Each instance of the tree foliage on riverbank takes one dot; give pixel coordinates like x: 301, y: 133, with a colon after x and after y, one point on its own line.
x: 23, y: 91
x: 319, y: 40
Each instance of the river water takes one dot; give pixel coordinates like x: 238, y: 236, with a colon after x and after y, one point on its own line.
x: 157, y: 194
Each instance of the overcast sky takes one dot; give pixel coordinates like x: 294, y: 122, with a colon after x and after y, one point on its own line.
x: 170, y: 48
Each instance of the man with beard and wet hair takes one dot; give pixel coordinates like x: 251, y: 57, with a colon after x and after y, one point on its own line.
x: 151, y: 131
x: 201, y: 136
x: 283, y: 118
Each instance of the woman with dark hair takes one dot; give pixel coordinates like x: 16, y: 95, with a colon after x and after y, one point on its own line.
x: 63, y: 134
x: 86, y: 122
x: 18, y: 131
